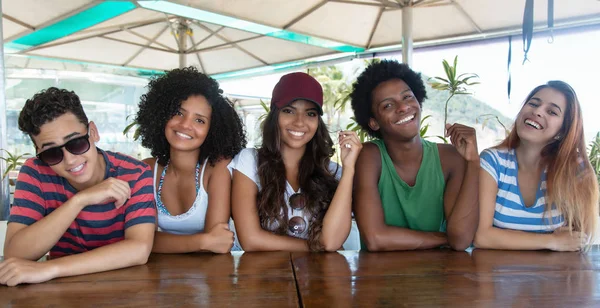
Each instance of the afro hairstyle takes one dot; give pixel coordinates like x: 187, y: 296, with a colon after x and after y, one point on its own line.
x: 226, y: 136
x: 376, y: 73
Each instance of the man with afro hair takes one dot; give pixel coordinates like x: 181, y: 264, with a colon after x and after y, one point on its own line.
x: 410, y: 193
x: 93, y: 210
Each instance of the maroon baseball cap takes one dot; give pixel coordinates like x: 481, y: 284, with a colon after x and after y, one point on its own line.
x: 295, y: 86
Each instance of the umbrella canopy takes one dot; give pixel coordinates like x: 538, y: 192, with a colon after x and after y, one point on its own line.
x: 225, y: 36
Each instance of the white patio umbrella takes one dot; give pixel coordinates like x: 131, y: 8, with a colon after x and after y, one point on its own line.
x: 225, y: 37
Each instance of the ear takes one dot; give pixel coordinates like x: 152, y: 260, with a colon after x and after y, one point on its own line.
x: 373, y: 124
x: 94, y: 135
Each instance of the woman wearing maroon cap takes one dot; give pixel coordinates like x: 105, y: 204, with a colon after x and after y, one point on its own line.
x: 288, y: 195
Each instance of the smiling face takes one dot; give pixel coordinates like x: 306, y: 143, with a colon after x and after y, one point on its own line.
x: 82, y: 171
x: 188, y: 128
x: 542, y: 116
x: 396, y: 111
x: 298, y: 124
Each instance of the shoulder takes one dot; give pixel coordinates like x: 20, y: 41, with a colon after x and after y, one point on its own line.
x: 449, y: 157
x: 222, y: 164
x: 124, y: 161
x: 126, y: 167
x: 500, y: 156
x: 150, y: 161
x: 368, y: 161
x: 246, y: 156
x: 447, y: 151
x: 34, y: 169
x: 370, y: 150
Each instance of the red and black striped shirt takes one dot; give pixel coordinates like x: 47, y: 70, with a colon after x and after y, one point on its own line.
x: 39, y: 191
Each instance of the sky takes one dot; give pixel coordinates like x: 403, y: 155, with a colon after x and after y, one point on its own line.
x: 572, y: 56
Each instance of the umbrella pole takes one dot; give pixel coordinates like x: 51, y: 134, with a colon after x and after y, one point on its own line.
x: 182, y: 30
x: 4, y: 188
x: 407, y: 41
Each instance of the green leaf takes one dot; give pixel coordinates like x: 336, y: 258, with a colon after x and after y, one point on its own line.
x: 442, y: 79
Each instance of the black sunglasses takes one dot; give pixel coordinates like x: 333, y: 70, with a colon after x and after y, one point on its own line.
x: 297, y: 224
x: 55, y: 155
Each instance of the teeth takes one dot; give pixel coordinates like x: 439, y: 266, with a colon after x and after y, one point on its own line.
x: 533, y: 123
x: 183, y: 135
x: 297, y: 134
x: 76, y: 169
x: 410, y: 117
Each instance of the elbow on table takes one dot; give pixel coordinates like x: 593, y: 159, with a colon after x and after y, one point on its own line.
x: 460, y: 241
x: 481, y: 240
x: 330, y: 246
x: 460, y: 244
x: 143, y: 254
x: 372, y: 243
x: 249, y: 244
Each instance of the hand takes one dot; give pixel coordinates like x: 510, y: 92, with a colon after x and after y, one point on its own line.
x: 464, y: 140
x: 15, y: 271
x: 109, y: 190
x: 563, y: 240
x: 219, y: 238
x: 350, y: 146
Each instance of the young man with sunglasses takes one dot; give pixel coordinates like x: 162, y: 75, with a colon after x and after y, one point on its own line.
x: 92, y: 208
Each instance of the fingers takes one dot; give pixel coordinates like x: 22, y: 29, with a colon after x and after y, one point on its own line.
x: 7, y: 272
x: 348, y: 140
x: 119, y: 190
x: 459, y: 133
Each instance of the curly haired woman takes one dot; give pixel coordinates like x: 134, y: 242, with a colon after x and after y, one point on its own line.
x: 193, y: 132
x: 288, y: 195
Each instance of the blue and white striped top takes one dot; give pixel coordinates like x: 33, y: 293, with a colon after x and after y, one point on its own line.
x: 511, y: 212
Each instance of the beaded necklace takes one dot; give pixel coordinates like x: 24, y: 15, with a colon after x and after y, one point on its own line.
x: 161, y: 207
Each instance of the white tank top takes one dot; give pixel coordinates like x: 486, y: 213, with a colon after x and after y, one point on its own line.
x: 190, y: 222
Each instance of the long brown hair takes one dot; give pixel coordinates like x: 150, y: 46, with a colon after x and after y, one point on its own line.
x: 572, y: 185
x: 317, y: 183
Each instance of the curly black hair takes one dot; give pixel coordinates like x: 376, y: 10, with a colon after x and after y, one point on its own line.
x: 374, y: 74
x: 226, y: 136
x: 47, y: 105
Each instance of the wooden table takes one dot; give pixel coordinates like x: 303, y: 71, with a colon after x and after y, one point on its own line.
x: 483, y: 278
x: 249, y: 280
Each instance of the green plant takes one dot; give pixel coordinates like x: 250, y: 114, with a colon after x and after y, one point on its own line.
x: 263, y: 116
x: 424, y: 127
x: 485, y: 118
x: 13, y: 161
x: 455, y: 85
x: 594, y: 154
x: 130, y: 126
x: 360, y: 132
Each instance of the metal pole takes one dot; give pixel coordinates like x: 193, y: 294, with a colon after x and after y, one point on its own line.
x: 4, y: 188
x: 407, y: 41
x: 182, y: 29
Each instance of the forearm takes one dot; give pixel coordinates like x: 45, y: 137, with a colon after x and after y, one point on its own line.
x: 338, y: 219
x: 464, y: 218
x: 267, y: 241
x: 125, y: 253
x: 33, y: 241
x: 395, y: 238
x: 177, y: 243
x: 496, y: 238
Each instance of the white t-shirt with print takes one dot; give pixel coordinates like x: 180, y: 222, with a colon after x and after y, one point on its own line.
x: 246, y: 162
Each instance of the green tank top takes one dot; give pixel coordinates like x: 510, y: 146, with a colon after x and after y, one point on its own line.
x: 420, y: 207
